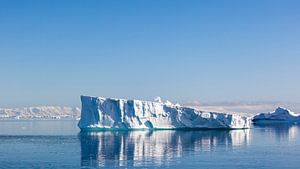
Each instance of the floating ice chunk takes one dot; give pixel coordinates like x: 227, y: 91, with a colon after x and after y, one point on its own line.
x: 279, y: 115
x: 168, y: 103
x: 158, y: 99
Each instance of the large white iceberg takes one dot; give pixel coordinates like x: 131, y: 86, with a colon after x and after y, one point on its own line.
x: 108, y: 113
x: 279, y: 115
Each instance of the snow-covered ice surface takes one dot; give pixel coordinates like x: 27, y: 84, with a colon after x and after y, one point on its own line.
x: 40, y: 112
x: 108, y: 113
x: 279, y: 115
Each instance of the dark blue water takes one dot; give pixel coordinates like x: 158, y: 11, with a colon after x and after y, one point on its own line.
x: 59, y: 144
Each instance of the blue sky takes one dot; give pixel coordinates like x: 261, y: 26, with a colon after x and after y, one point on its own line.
x: 211, y: 50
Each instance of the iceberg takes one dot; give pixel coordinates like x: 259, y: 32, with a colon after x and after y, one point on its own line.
x: 278, y: 116
x: 40, y: 112
x: 108, y: 113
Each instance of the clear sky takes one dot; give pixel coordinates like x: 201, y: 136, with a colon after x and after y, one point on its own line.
x: 51, y: 52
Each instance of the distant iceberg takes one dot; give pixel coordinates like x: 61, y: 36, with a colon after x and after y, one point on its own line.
x: 108, y: 113
x: 40, y: 112
x: 278, y: 116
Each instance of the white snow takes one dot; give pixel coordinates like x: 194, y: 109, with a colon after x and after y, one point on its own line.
x: 157, y: 99
x: 168, y: 103
x: 40, y: 112
x: 279, y: 115
x: 108, y: 113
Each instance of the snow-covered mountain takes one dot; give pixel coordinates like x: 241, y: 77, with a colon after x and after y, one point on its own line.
x: 41, y: 112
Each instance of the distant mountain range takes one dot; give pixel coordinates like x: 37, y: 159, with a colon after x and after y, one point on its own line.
x: 64, y: 112
x: 41, y: 112
x: 251, y: 108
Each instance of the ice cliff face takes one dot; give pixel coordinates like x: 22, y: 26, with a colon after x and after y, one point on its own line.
x: 279, y: 115
x: 107, y: 113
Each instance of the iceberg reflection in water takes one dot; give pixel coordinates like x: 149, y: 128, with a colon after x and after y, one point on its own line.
x: 283, y: 132
x: 56, y: 144
x: 145, y: 148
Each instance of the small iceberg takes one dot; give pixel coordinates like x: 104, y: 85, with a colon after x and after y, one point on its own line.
x: 280, y: 115
x: 99, y: 113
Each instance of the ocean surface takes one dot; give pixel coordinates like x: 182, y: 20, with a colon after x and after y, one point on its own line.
x: 60, y: 144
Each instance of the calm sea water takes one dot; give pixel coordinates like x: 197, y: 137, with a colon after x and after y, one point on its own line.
x: 59, y: 144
